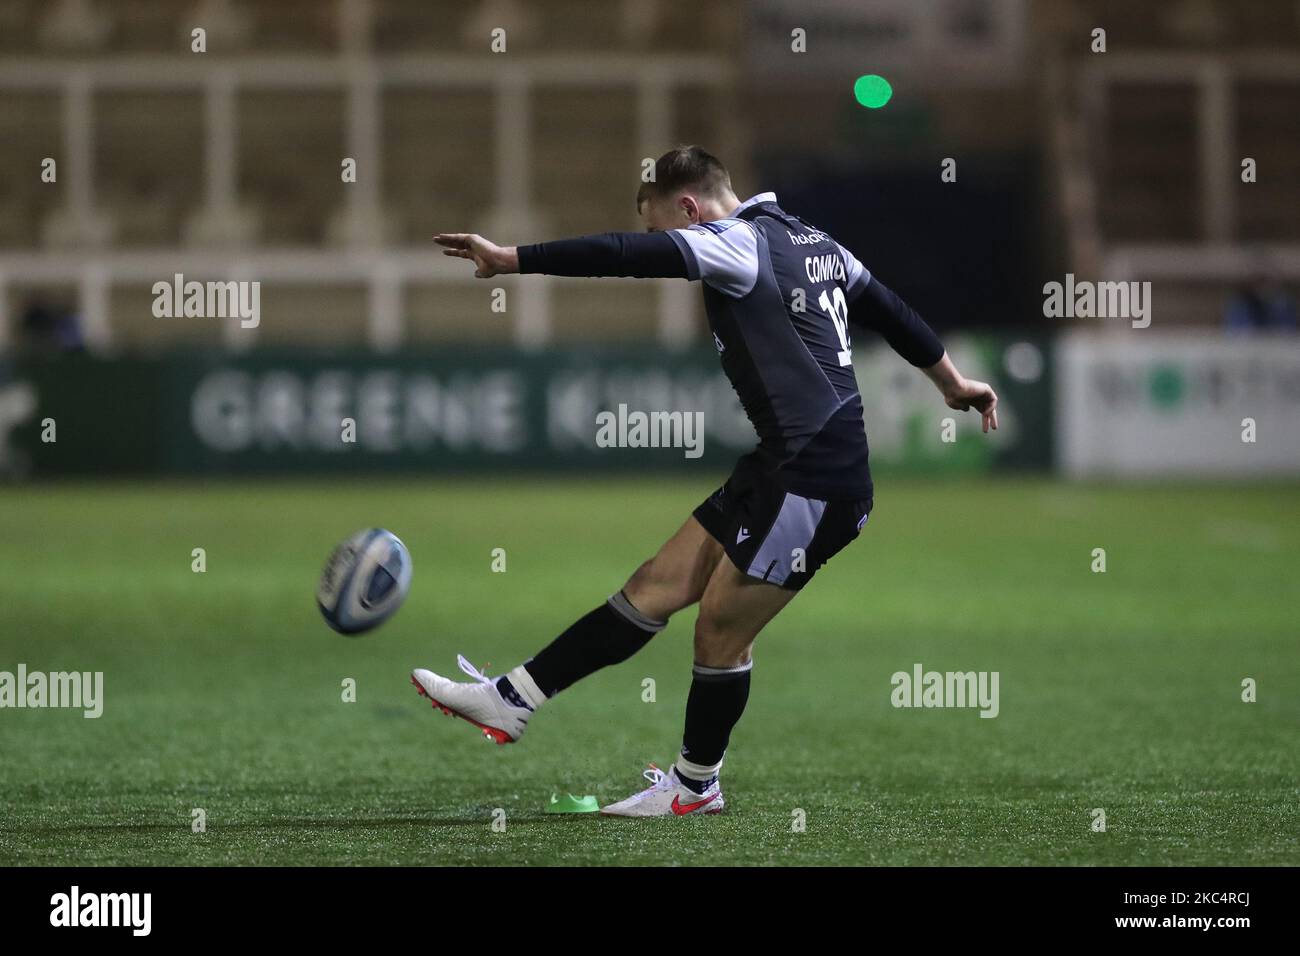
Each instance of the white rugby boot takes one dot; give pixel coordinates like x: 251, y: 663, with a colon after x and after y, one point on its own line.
x: 667, y: 796
x: 479, y: 702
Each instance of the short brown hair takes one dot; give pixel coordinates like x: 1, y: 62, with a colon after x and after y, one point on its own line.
x: 686, y: 167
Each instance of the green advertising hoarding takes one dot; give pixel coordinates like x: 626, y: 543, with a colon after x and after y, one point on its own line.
x: 467, y: 410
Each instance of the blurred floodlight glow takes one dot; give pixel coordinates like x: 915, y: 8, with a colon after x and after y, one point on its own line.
x: 872, y: 91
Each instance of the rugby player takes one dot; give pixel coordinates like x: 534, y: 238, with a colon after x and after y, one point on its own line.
x: 779, y: 294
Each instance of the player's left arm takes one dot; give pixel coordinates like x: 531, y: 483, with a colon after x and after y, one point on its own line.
x: 624, y: 254
x: 723, y: 254
x: 877, y: 307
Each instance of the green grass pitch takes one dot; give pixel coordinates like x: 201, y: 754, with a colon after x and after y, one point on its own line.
x: 223, y: 690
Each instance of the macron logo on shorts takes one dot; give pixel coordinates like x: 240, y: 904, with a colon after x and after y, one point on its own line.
x: 744, y: 533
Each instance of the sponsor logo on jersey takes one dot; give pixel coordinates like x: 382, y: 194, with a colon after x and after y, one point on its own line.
x: 807, y: 239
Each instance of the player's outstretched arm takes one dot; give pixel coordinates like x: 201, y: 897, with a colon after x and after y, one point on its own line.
x: 626, y: 254
x: 489, y: 259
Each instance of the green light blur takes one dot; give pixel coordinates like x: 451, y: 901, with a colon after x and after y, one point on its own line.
x: 872, y: 91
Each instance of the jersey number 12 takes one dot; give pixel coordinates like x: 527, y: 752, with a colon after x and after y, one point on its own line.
x: 838, y: 308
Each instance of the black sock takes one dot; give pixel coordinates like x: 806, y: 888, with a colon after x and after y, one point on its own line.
x: 608, y: 635
x: 716, y: 701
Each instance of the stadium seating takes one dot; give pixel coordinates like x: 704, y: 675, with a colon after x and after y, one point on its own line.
x: 440, y: 145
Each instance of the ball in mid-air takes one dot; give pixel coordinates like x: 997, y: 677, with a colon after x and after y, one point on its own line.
x: 364, y: 582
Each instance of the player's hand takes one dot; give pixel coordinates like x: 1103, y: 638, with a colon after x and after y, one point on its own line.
x: 489, y: 258
x: 968, y: 394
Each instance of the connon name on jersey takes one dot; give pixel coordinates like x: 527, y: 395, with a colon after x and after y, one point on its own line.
x: 827, y: 268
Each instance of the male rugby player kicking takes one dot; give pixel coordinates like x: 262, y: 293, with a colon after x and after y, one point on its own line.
x: 778, y: 295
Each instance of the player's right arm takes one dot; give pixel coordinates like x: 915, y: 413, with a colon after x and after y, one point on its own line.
x: 963, y: 393
x: 877, y: 307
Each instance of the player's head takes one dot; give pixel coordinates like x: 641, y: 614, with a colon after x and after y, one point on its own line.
x: 689, y: 186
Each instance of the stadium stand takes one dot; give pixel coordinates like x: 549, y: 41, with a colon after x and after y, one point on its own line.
x: 229, y: 160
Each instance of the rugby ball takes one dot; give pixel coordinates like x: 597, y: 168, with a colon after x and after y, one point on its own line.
x: 364, y: 582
